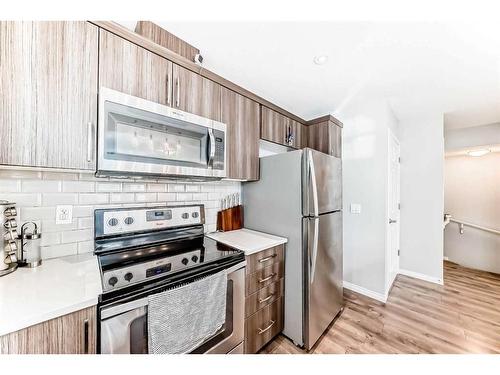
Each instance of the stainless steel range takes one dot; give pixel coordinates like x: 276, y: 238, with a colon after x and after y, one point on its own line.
x: 148, y: 250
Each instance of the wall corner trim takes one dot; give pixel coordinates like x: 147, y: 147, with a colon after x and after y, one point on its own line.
x: 421, y: 276
x: 367, y: 292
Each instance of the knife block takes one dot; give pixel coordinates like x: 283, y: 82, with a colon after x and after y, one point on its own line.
x: 230, y: 219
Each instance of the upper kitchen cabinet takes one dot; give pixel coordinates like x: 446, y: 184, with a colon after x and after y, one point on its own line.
x: 241, y: 116
x: 326, y: 136
x: 133, y: 70
x: 48, y: 94
x: 196, y: 94
x: 280, y: 129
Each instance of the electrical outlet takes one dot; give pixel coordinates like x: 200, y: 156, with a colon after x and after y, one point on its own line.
x: 64, y: 214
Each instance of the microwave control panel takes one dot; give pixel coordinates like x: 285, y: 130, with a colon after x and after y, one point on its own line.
x: 219, y: 149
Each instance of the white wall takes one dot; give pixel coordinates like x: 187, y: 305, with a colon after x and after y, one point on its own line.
x: 422, y: 201
x: 472, y: 193
x: 471, y: 137
x: 365, y: 155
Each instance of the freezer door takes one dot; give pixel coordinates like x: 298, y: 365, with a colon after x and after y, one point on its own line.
x: 322, y: 274
x: 321, y: 183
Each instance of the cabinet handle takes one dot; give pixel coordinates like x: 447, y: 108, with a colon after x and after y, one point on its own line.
x: 262, y: 300
x: 267, y: 278
x: 178, y: 86
x: 86, y: 336
x: 262, y: 330
x: 169, y: 95
x: 267, y: 258
x: 90, y: 133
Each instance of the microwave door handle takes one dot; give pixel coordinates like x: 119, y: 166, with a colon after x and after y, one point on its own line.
x: 212, y: 147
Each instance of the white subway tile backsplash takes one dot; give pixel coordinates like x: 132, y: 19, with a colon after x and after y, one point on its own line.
x: 184, y: 197
x: 50, y: 226
x: 41, y: 186
x: 200, y: 196
x: 109, y: 187
x: 50, y: 238
x: 85, y: 223
x: 78, y: 186
x: 19, y: 173
x: 156, y: 188
x: 10, y: 185
x: 85, y: 247
x: 166, y: 197
x: 83, y: 211
x: 36, y: 213
x: 37, y: 193
x: 145, y: 197
x: 176, y: 188
x: 134, y: 187
x: 121, y: 197
x: 98, y: 198
x: 54, y: 199
x: 59, y: 176
x: 56, y: 251
x: 192, y: 188
x: 77, y: 235
x: 23, y: 199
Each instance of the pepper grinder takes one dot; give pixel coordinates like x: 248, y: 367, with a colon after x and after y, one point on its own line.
x: 8, y: 226
x: 30, y: 246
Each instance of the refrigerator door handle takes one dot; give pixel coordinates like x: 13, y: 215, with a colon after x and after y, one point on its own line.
x: 314, y: 185
x: 312, y: 257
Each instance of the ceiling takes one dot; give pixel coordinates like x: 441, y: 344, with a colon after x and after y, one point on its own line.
x: 421, y: 68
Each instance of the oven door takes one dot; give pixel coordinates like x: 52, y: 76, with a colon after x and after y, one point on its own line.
x: 140, y: 137
x: 124, y: 330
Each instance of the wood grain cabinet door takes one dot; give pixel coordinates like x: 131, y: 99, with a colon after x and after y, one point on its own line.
x: 319, y: 137
x: 74, y: 333
x: 296, y: 131
x: 273, y: 126
x: 133, y: 70
x: 335, y: 139
x: 241, y: 116
x: 48, y: 93
x: 196, y: 94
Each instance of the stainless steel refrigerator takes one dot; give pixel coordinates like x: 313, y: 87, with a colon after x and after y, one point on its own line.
x: 299, y: 196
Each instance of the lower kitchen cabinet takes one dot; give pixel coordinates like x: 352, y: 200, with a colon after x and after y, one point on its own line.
x: 74, y: 333
x: 264, y: 303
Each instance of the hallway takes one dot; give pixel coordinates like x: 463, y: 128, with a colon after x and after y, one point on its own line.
x: 463, y: 316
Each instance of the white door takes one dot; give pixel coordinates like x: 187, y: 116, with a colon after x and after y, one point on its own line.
x: 393, y: 209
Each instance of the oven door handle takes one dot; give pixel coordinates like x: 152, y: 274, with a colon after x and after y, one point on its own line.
x: 109, y: 312
x: 212, y: 147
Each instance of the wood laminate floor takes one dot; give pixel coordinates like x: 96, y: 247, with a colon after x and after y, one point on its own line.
x: 463, y: 316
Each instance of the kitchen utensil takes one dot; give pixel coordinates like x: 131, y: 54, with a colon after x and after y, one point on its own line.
x: 30, y: 246
x: 8, y: 248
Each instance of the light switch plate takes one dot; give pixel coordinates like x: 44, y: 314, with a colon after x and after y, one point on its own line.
x: 64, y: 214
x: 355, y: 208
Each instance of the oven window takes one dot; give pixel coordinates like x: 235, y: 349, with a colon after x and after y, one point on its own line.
x: 135, y: 135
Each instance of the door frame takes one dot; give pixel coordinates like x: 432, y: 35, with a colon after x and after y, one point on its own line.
x: 392, y: 257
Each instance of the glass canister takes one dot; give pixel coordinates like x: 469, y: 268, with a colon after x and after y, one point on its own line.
x: 31, y: 238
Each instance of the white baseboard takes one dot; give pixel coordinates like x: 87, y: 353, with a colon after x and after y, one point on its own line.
x: 367, y: 292
x: 421, y: 276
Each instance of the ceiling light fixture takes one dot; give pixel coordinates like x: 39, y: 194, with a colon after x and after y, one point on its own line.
x: 320, y: 60
x: 478, y: 152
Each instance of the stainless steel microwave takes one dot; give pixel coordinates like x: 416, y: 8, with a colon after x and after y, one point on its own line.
x: 140, y: 138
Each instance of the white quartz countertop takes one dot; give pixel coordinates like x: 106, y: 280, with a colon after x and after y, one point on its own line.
x: 58, y: 287
x: 247, y: 240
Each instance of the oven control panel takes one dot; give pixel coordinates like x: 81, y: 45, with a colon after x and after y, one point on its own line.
x: 125, y: 276
x: 117, y: 221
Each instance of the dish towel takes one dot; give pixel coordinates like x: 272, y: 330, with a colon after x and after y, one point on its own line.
x: 181, y: 319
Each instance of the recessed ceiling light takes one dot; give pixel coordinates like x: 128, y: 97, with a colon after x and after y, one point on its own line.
x: 478, y: 152
x: 320, y: 60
